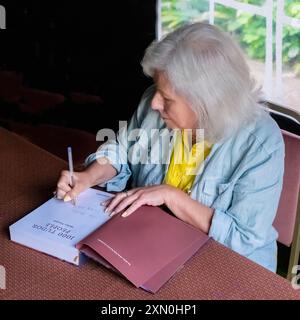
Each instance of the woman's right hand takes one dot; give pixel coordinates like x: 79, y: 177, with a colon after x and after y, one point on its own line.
x: 81, y: 182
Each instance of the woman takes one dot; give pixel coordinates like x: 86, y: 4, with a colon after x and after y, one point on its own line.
x: 232, y: 192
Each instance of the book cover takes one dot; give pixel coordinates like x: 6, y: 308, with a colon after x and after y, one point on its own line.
x: 148, y: 247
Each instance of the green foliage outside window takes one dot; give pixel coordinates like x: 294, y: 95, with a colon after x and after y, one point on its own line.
x: 250, y: 30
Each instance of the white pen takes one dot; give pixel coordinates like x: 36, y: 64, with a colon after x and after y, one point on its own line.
x: 71, y: 171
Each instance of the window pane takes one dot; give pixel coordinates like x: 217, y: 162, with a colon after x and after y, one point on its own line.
x: 175, y: 13
x: 256, y: 2
x: 250, y: 32
x: 291, y: 67
x: 292, y: 8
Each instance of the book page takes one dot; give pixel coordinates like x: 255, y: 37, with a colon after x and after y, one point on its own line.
x: 64, y: 222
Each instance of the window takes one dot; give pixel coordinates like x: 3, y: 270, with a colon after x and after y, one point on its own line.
x: 267, y: 30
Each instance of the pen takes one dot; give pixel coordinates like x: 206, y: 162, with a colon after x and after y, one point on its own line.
x: 71, y: 171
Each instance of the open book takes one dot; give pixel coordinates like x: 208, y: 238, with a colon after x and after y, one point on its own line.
x: 147, y: 247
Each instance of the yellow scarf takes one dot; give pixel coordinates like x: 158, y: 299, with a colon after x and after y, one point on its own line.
x: 184, y: 162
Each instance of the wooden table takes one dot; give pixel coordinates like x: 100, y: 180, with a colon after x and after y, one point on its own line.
x: 28, y: 176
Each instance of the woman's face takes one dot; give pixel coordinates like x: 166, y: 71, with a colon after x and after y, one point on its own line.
x: 173, y: 109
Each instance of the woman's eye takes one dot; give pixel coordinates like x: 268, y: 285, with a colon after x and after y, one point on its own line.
x: 167, y: 102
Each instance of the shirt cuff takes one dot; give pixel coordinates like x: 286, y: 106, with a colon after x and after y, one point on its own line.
x: 119, y: 181
x: 99, y: 154
x: 220, y: 225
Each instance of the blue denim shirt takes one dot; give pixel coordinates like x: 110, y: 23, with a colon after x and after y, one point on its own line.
x: 241, y: 179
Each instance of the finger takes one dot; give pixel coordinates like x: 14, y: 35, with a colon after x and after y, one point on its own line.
x: 63, y: 186
x: 74, y: 192
x: 65, y: 177
x: 105, y: 202
x: 115, y: 201
x: 60, y: 194
x: 134, y: 190
x: 125, y: 203
x: 63, y: 183
x: 135, y: 205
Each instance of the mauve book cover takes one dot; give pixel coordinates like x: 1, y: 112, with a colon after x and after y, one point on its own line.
x: 147, y: 247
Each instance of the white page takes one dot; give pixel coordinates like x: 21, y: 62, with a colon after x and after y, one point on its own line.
x: 62, y: 222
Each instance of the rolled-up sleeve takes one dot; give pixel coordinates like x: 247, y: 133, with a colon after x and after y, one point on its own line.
x: 116, y: 150
x: 109, y: 150
x: 246, y: 224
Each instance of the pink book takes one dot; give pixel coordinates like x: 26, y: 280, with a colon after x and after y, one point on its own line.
x: 147, y: 247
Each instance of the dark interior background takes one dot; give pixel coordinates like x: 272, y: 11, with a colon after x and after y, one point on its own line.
x: 93, y: 47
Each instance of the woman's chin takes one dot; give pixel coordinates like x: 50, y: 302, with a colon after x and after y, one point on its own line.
x: 168, y: 123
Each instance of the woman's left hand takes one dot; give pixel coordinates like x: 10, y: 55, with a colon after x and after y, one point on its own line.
x: 133, y: 199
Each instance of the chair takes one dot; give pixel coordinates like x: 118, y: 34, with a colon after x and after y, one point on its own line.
x: 56, y: 139
x: 286, y: 118
x: 35, y: 101
x: 84, y: 98
x: 287, y: 221
x: 11, y: 84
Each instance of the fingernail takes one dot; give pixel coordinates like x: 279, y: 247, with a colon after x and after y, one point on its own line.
x: 102, y: 203
x: 112, y: 213
x: 124, y: 214
x: 106, y: 210
x: 67, y: 198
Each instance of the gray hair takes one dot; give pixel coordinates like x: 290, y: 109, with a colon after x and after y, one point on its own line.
x: 207, y: 68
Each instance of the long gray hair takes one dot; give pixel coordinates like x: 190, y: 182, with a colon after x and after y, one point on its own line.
x: 205, y: 66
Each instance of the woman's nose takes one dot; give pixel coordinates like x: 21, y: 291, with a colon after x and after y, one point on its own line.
x: 157, y: 102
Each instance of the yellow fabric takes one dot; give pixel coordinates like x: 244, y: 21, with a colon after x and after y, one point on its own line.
x: 184, y: 162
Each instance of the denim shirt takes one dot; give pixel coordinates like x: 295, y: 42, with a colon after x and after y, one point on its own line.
x: 241, y: 179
